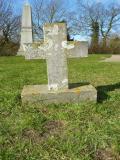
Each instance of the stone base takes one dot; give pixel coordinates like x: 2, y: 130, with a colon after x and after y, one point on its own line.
x: 41, y: 94
x: 21, y: 51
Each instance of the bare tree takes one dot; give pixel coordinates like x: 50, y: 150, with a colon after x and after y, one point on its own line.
x: 109, y: 19
x: 9, y: 23
x: 87, y: 21
x: 97, y: 19
x: 5, y: 11
x: 37, y: 17
x: 47, y: 11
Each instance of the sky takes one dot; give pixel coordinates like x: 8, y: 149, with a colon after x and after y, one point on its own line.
x: 69, y: 4
x: 19, y: 3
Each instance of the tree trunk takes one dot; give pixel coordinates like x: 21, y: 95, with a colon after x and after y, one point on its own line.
x: 104, y: 43
x: 95, y: 36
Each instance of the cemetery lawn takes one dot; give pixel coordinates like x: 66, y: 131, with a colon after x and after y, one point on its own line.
x: 65, y: 132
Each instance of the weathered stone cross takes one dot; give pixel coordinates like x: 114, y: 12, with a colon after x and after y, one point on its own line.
x: 55, y: 49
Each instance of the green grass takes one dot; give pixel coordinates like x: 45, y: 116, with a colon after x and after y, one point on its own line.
x: 65, y: 132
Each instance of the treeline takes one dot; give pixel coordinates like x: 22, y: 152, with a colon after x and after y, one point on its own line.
x: 100, y: 22
x: 112, y: 46
x: 9, y: 28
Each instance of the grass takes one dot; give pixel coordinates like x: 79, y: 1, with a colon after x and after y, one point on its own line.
x: 65, y: 132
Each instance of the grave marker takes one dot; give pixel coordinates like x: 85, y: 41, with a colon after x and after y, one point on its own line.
x: 57, y: 90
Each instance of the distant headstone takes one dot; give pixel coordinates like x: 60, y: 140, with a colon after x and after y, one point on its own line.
x: 57, y: 91
x: 26, y: 28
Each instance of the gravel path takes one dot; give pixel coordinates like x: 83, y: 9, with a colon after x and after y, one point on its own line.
x: 114, y: 58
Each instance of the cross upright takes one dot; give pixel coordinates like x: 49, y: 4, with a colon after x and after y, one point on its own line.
x: 55, y: 35
x: 55, y: 49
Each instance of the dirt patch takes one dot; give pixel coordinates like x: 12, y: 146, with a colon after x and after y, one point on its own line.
x: 32, y: 135
x: 106, y: 154
x: 43, y: 110
x: 53, y: 128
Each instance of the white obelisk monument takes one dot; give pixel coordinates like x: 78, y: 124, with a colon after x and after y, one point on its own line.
x: 26, y: 27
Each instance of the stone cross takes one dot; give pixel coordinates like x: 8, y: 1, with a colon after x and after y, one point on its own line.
x: 55, y: 50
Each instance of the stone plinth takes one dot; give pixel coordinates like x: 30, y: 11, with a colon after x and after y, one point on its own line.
x: 32, y: 94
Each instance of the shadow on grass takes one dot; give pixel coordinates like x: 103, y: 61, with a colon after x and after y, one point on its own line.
x: 103, y: 91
